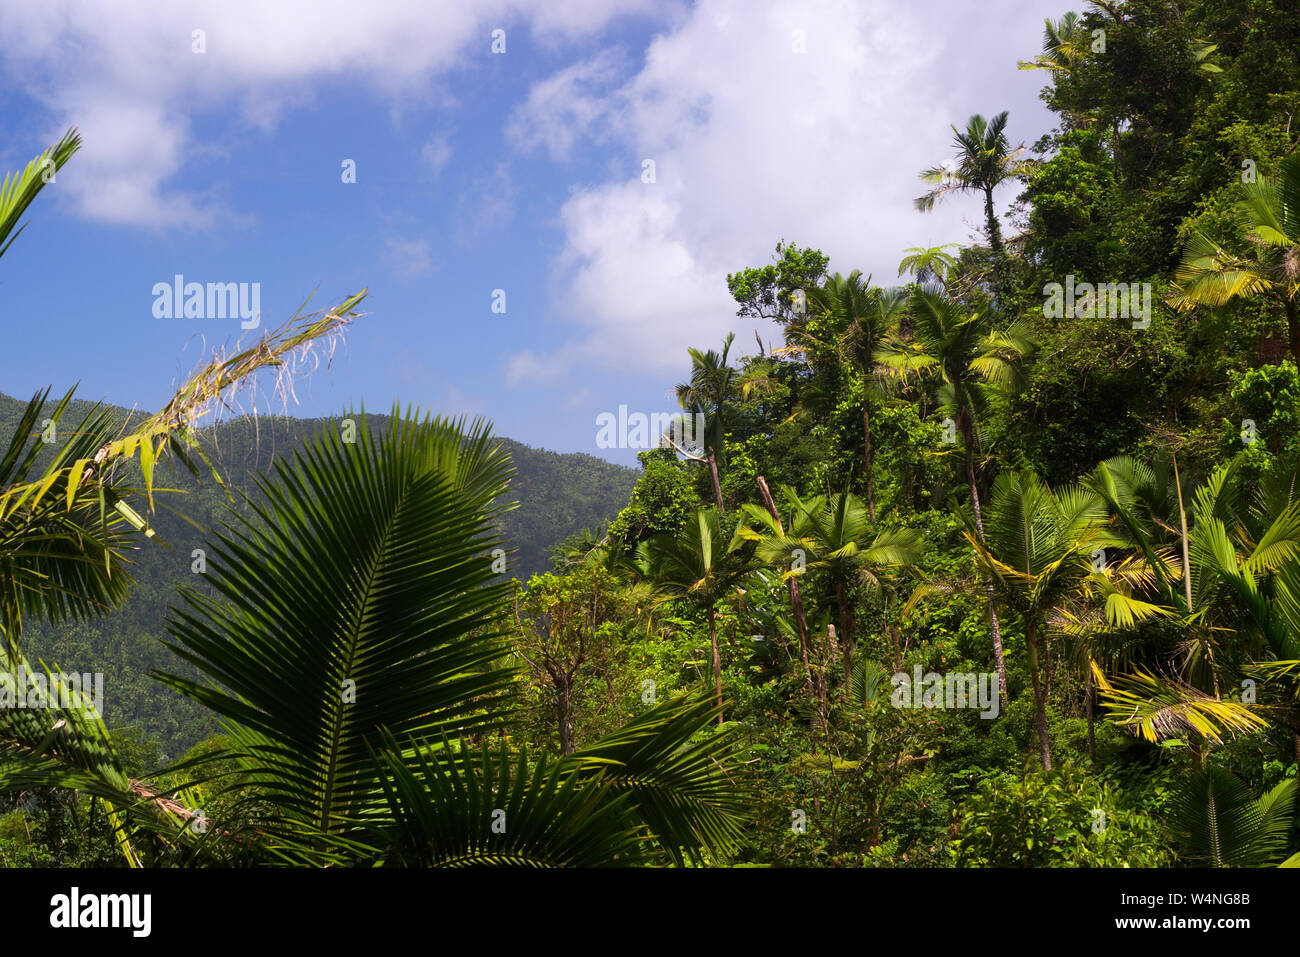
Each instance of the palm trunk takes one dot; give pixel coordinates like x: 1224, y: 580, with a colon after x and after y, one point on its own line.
x: 1003, y: 274
x: 717, y: 661
x: 1091, y: 709
x: 562, y: 708
x: 796, y: 597
x: 1040, y: 699
x: 846, y: 627
x: 1292, y: 329
x: 866, y: 440
x: 717, y: 486
x: 994, y: 626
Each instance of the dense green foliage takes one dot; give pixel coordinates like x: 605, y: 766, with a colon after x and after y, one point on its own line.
x: 1107, y: 504
x: 558, y: 495
x: 971, y: 571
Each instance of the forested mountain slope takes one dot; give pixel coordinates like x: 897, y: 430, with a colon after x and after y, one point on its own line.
x: 558, y: 495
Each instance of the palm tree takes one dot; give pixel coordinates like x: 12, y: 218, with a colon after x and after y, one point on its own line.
x: 713, y: 384
x: 857, y: 318
x: 701, y: 565
x: 1269, y: 217
x: 984, y: 161
x: 1065, y: 45
x: 1221, y: 823
x: 352, y: 648
x: 1036, y: 546
x: 19, y: 189
x: 1226, y: 581
x: 928, y: 265
x: 64, y: 528
x: 956, y: 350
x: 764, y: 527
x: 61, y: 557
x: 837, y: 536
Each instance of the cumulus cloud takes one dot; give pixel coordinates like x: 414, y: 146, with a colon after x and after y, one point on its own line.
x: 803, y: 121
x: 129, y: 77
x: 567, y: 107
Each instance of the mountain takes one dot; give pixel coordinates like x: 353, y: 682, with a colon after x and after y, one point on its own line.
x: 558, y: 494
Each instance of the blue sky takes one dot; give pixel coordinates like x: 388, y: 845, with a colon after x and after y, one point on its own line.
x: 475, y: 171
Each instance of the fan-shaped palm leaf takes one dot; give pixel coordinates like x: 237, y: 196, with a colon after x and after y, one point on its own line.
x: 357, y: 597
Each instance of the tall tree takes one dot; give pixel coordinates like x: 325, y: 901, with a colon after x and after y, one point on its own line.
x: 928, y: 265
x: 712, y: 385
x: 764, y: 526
x: 560, y: 621
x: 1036, y: 547
x: 771, y: 292
x: 836, y: 535
x: 701, y: 565
x: 984, y: 161
x: 857, y: 318
x: 1268, y: 215
x: 955, y: 350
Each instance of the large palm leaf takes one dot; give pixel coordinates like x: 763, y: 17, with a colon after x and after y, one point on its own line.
x: 1268, y: 217
x: 476, y: 808
x: 1220, y: 822
x: 61, y: 555
x: 20, y: 189
x: 358, y: 597
x: 679, y: 789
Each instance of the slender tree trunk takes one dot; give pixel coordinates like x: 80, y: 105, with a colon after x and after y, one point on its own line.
x: 1292, y: 329
x: 995, y: 628
x: 796, y: 597
x: 846, y: 627
x: 1040, y: 699
x: 1182, y: 525
x: 866, y: 439
x: 562, y: 707
x: 717, y: 661
x: 1187, y: 565
x: 1000, y: 265
x: 1091, y: 708
x: 717, y: 485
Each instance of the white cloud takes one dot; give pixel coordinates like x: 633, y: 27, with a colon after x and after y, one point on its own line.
x: 486, y: 206
x: 754, y: 142
x: 567, y: 106
x: 436, y: 153
x: 527, y: 366
x: 125, y: 73
x: 409, y: 258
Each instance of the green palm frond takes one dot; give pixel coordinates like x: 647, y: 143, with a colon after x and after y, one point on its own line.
x: 1221, y: 823
x: 51, y: 736
x: 61, y: 555
x: 358, y: 596
x: 20, y: 189
x: 477, y: 808
x: 699, y: 562
x: 679, y: 787
x: 1157, y: 708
